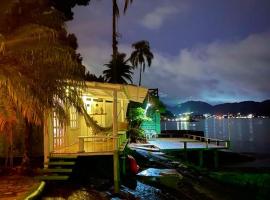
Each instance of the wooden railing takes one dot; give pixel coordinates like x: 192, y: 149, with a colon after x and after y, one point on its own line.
x: 98, y: 143
x: 206, y: 140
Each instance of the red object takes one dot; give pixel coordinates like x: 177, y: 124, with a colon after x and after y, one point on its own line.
x: 133, y: 166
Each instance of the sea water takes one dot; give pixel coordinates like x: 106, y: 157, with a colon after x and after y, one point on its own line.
x: 246, y: 135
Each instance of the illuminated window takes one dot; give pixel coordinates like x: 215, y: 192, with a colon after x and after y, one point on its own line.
x: 58, y: 133
x: 73, y: 118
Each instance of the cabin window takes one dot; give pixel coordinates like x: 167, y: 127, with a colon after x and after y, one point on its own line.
x: 58, y: 132
x: 73, y: 118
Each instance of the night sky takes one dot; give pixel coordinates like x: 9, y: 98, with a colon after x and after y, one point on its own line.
x: 210, y: 50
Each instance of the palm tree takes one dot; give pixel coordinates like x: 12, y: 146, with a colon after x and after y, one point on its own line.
x: 141, y: 55
x: 123, y: 73
x: 93, y: 77
x: 116, y: 15
x: 39, y: 73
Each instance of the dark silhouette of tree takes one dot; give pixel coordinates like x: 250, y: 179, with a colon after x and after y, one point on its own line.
x: 93, y: 77
x: 141, y: 56
x: 66, y: 6
x: 123, y: 74
x: 37, y: 57
x: 115, y: 16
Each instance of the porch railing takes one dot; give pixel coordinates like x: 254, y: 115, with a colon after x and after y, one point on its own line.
x: 207, y: 141
x: 98, y: 143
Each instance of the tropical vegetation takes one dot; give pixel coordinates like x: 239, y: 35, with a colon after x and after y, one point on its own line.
x: 117, y: 62
x: 40, y: 72
x: 141, y: 56
x: 122, y: 74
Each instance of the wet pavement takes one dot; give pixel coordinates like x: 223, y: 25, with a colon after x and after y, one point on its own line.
x: 16, y: 187
x: 72, y: 191
x: 146, y: 192
x: 75, y: 192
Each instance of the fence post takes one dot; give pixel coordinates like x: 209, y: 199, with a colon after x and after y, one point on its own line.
x: 215, y: 159
x: 200, y: 158
x: 185, y: 150
x: 228, y: 144
x: 185, y: 145
x: 81, y: 144
x: 124, y: 168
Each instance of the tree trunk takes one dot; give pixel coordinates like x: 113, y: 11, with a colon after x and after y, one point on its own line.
x: 26, y: 169
x: 9, y: 147
x: 140, y: 80
x: 114, y: 40
x: 114, y: 34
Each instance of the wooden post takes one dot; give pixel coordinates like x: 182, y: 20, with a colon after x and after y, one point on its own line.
x: 124, y: 170
x: 185, y: 151
x: 104, y: 111
x: 116, y: 173
x: 122, y: 111
x: 81, y: 144
x: 228, y: 144
x: 215, y: 159
x: 200, y: 158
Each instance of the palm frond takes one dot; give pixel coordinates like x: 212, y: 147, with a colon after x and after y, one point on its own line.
x: 127, y: 3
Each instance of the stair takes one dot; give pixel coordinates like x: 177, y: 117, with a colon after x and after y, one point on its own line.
x: 61, y: 163
x: 59, y: 169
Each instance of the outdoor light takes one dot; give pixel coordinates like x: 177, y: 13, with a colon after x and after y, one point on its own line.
x: 147, y: 106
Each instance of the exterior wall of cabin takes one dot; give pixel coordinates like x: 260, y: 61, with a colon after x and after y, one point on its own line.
x: 100, y: 109
x: 153, y: 125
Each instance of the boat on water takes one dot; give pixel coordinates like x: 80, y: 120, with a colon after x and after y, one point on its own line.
x: 147, y: 147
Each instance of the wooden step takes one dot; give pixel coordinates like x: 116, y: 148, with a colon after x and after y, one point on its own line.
x: 57, y: 170
x: 54, y: 157
x: 57, y: 163
x: 53, y: 178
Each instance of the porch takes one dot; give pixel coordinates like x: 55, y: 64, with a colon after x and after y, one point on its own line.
x: 93, y: 145
x: 95, y: 132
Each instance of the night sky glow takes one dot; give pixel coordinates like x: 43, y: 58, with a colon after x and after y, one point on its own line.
x: 212, y: 50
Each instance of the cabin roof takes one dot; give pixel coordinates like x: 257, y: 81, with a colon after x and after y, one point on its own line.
x: 125, y: 92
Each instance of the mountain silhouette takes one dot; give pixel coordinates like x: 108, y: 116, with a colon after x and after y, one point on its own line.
x: 245, y: 107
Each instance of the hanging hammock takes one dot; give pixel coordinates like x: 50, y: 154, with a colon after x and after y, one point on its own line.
x: 91, y: 123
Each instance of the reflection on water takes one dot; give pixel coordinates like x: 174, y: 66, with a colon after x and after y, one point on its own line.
x: 184, y: 125
x: 246, y: 135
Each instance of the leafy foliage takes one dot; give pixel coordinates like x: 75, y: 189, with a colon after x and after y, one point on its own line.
x: 137, y: 116
x: 141, y: 56
x: 136, y: 134
x: 93, y: 77
x: 66, y: 6
x: 38, y: 63
x: 40, y: 72
x: 156, y: 105
x: 118, y: 70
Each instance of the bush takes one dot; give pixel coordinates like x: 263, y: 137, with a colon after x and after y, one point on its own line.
x: 136, y: 135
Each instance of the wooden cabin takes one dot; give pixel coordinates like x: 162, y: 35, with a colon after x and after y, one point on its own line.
x: 100, y: 132
x: 103, y: 131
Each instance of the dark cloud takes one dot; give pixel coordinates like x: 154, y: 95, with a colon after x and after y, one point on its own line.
x: 215, y: 51
x: 218, y: 71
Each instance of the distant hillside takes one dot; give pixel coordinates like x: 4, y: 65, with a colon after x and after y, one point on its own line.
x: 193, y: 106
x: 245, y: 107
